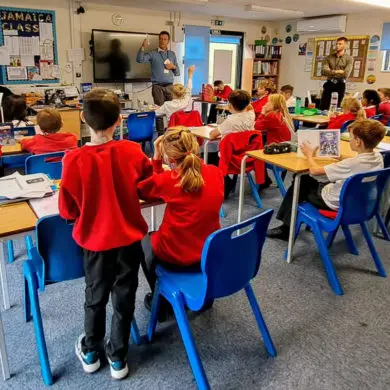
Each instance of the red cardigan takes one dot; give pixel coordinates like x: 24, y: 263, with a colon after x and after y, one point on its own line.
x: 49, y: 143
x: 189, y: 218
x: 275, y: 126
x: 384, y: 109
x: 259, y: 104
x: 224, y: 94
x: 338, y: 121
x: 370, y: 111
x: 99, y: 191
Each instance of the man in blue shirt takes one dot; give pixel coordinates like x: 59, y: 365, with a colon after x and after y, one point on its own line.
x: 164, y: 67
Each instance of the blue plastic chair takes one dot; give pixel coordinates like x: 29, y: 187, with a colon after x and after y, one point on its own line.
x: 359, y: 202
x: 221, y: 275
x: 56, y: 258
x: 377, y: 117
x: 345, y: 125
x: 278, y: 177
x: 51, y: 165
x: 141, y: 128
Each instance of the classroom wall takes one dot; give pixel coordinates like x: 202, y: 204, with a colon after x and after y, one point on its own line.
x: 292, y: 65
x: 100, y: 16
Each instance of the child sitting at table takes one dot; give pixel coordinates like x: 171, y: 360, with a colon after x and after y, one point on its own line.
x: 15, y: 111
x: 384, y: 106
x: 242, y: 115
x: 181, y: 97
x: 193, y: 193
x: 50, y: 122
x: 287, y: 92
x: 265, y: 88
x: 221, y: 90
x: 365, y: 136
x: 276, y: 120
x: 352, y: 110
x: 99, y: 191
x: 370, y: 102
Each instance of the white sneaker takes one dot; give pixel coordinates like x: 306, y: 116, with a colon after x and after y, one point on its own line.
x: 90, y: 361
x: 119, y: 369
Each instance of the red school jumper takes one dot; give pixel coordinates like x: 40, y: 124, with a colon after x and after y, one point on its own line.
x: 259, y: 104
x: 99, y: 191
x: 49, y: 143
x: 275, y: 126
x: 189, y: 218
x: 224, y: 94
x: 384, y: 109
x: 338, y: 121
x: 370, y: 111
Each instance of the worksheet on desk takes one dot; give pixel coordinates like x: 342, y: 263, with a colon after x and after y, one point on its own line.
x: 45, y: 206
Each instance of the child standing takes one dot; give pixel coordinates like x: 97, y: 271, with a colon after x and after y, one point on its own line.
x: 181, y: 97
x: 365, y: 136
x: 50, y: 122
x: 384, y: 106
x: 193, y: 193
x: 352, y: 110
x: 99, y: 192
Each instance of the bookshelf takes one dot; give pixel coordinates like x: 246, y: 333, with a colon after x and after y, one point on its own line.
x: 266, y: 63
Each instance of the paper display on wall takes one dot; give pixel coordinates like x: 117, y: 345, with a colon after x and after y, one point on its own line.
x: 45, y: 32
x: 309, y: 54
x: 46, y: 69
x: 46, y: 51
x: 12, y: 45
x: 356, y: 68
x: 4, y: 56
x: 321, y: 49
x: 27, y: 60
x: 319, y: 69
x: 10, y: 32
x: 16, y: 73
x: 76, y: 55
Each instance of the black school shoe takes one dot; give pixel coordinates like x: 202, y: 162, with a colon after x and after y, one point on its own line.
x: 165, y: 310
x: 280, y: 233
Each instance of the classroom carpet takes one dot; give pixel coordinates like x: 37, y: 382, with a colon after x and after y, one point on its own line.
x: 323, y: 341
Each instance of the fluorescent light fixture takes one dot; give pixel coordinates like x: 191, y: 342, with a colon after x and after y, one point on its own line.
x: 195, y: 2
x: 258, y: 8
x: 376, y: 3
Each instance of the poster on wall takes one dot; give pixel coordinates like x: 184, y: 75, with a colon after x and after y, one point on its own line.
x: 309, y: 55
x: 372, y: 56
x: 29, y: 38
x: 302, y: 49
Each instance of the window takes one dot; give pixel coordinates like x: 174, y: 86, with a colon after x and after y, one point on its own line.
x: 386, y: 61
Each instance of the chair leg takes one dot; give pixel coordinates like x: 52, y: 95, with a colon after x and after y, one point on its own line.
x: 374, y: 253
x: 10, y: 248
x: 387, y: 218
x: 279, y: 180
x: 29, y: 243
x: 135, y: 332
x: 348, y: 236
x: 38, y: 326
x: 189, y: 343
x: 222, y: 212
x: 154, y: 312
x: 151, y: 147
x: 327, y: 261
x: 26, y: 303
x: 254, y: 191
x: 269, y: 345
x: 331, y: 237
x: 382, y: 225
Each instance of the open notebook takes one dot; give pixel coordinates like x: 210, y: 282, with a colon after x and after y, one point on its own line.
x: 327, y: 141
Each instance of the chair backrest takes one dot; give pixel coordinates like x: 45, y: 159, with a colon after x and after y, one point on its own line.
x: 345, y: 125
x: 377, y: 117
x: 360, y: 196
x: 48, y: 163
x: 141, y: 126
x: 386, y: 158
x: 186, y: 118
x: 63, y: 258
x: 26, y: 131
x: 229, y: 263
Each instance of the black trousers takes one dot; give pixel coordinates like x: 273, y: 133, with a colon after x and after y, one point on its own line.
x: 161, y: 93
x: 330, y: 87
x: 310, y: 191
x: 150, y: 261
x: 114, y: 271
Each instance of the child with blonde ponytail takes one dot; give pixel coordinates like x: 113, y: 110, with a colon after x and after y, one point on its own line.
x: 352, y: 110
x: 193, y: 193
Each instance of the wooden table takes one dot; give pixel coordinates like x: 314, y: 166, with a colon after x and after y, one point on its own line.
x: 12, y: 149
x: 316, y: 119
x: 292, y: 163
x: 204, y: 133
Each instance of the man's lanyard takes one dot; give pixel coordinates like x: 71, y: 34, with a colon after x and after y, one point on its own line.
x: 164, y: 59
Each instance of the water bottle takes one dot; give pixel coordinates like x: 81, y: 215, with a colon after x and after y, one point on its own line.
x: 333, y: 102
x: 298, y: 106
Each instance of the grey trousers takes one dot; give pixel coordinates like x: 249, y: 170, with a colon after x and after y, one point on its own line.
x: 161, y: 93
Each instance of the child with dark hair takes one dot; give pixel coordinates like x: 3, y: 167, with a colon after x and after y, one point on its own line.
x: 99, y: 191
x: 370, y: 102
x: 50, y: 122
x: 221, y: 90
x: 15, y: 111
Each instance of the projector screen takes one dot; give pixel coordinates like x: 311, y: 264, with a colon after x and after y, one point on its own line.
x: 115, y: 54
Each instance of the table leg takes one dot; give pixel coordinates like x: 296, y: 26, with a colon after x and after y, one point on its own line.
x: 121, y: 130
x: 242, y: 188
x: 3, y: 278
x: 3, y: 353
x: 206, y: 151
x: 153, y: 219
x: 297, y: 184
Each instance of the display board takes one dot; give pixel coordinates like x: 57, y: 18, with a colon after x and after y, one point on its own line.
x: 357, y: 48
x: 28, y: 46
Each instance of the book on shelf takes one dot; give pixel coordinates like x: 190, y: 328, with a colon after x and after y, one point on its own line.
x: 267, y: 51
x: 265, y: 68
